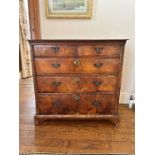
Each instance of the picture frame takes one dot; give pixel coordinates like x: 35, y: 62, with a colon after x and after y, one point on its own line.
x: 69, y: 9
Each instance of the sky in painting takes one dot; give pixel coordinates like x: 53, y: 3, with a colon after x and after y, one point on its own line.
x: 68, y: 5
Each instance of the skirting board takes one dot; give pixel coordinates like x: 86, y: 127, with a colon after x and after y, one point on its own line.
x: 124, y: 98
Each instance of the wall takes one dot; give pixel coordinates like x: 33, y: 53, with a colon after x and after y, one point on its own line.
x: 111, y: 19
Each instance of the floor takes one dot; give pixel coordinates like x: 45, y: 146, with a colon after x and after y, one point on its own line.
x: 72, y: 136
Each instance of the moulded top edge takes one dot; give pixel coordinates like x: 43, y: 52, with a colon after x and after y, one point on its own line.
x: 33, y: 41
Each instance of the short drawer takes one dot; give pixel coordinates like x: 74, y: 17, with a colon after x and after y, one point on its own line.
x: 99, y: 50
x: 54, y: 51
x: 71, y: 65
x: 76, y: 83
x: 76, y: 104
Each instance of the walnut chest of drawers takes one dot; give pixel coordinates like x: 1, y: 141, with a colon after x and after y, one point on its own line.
x: 77, y: 79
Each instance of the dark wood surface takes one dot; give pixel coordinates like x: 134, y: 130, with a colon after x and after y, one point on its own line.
x: 55, y: 50
x: 34, y: 19
x: 77, y: 83
x: 54, y: 58
x: 77, y: 41
x: 76, y: 104
x: 99, y: 50
x: 72, y: 136
x: 45, y: 65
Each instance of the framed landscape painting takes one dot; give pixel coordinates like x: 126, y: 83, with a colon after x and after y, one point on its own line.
x: 69, y: 8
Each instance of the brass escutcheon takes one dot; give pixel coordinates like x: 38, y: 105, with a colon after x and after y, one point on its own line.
x: 76, y: 62
x: 76, y: 97
x: 77, y: 79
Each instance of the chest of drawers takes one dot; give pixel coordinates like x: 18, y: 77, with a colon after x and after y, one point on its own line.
x: 77, y: 79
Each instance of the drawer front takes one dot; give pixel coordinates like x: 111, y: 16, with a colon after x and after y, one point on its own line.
x: 54, y: 51
x: 77, y: 83
x: 76, y: 104
x: 70, y: 65
x: 99, y: 50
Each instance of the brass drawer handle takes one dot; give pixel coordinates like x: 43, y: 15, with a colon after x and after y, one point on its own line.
x: 76, y: 97
x: 56, y: 83
x: 96, y: 103
x: 97, y: 83
x: 56, y: 65
x: 57, y: 104
x: 76, y: 79
x: 98, y: 65
x: 77, y: 62
x: 55, y: 49
x: 98, y: 49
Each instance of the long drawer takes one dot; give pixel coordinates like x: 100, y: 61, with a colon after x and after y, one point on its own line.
x: 76, y: 83
x: 76, y: 104
x: 79, y: 65
x: 57, y: 50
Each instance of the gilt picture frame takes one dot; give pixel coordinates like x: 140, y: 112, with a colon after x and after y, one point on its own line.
x: 69, y: 9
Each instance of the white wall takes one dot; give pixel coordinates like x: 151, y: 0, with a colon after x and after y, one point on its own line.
x: 111, y: 19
